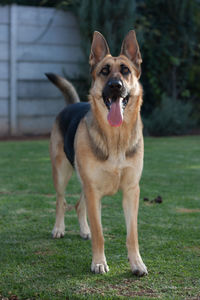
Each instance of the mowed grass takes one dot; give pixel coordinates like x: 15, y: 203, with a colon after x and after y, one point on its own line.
x: 34, y: 266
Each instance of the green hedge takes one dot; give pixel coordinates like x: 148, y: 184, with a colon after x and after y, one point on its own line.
x: 168, y: 32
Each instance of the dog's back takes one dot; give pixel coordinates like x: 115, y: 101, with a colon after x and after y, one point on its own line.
x: 70, y: 117
x: 68, y: 121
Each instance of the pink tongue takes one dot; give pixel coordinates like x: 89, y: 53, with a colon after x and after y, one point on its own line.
x: 115, y: 117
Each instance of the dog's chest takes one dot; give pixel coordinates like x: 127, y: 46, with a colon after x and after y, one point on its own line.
x: 109, y: 174
x: 119, y: 166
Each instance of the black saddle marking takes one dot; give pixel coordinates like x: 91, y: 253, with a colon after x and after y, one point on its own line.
x: 68, y: 120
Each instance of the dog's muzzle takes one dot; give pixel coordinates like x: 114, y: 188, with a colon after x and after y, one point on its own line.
x: 115, y: 97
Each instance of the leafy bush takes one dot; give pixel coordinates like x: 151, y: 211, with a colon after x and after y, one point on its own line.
x: 170, y: 50
x: 167, y: 32
x: 171, y: 117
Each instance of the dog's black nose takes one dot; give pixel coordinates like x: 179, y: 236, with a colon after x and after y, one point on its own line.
x: 115, y: 83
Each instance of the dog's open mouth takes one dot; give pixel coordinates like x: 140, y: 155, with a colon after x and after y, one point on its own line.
x: 116, y: 107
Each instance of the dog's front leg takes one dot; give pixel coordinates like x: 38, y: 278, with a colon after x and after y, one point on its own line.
x: 99, y: 264
x: 130, y: 206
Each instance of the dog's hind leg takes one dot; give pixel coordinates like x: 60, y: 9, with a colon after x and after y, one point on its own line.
x: 62, y: 171
x: 82, y: 218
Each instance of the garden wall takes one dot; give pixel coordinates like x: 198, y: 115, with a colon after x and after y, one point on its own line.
x: 34, y: 41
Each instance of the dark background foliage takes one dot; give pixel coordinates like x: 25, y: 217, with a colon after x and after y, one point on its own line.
x: 168, y: 32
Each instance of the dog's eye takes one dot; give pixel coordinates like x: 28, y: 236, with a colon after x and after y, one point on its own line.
x: 105, y: 70
x: 124, y: 70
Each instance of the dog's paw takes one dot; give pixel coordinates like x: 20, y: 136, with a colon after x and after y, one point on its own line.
x: 139, y: 269
x: 85, y: 235
x: 100, y: 268
x: 58, y: 232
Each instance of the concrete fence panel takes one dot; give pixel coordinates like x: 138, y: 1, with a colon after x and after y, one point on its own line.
x: 34, y: 41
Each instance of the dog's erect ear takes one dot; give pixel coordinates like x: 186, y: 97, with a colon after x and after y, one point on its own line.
x: 130, y: 49
x: 99, y: 49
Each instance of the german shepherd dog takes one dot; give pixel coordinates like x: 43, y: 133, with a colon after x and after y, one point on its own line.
x: 103, y: 141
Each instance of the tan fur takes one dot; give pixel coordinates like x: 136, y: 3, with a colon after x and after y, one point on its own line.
x: 62, y: 171
x: 107, y: 158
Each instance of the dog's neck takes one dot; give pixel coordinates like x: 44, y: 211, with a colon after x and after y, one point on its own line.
x: 107, y: 140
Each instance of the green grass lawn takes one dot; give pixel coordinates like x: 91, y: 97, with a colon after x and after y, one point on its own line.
x: 34, y: 266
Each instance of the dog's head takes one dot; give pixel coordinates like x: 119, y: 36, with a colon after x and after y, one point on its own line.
x: 115, y: 79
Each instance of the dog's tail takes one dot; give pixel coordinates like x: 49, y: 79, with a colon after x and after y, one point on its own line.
x: 65, y: 86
